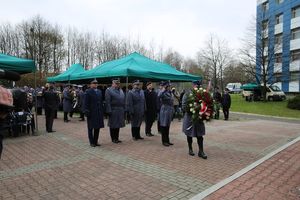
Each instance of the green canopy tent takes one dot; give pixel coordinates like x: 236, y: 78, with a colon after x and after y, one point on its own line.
x: 15, y: 64
x: 135, y: 66
x: 65, y: 76
x: 250, y: 86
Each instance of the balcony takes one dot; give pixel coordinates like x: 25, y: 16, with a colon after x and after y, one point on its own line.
x: 295, y: 66
x: 277, y: 68
x: 278, y: 28
x: 295, y: 22
x: 295, y: 44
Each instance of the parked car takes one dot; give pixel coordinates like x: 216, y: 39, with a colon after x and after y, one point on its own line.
x: 253, y: 92
x: 234, y: 87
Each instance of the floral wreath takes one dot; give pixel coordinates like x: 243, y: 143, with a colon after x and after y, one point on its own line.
x: 200, y: 104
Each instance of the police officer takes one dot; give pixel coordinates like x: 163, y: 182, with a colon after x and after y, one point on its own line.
x: 80, y: 97
x: 226, y: 103
x: 151, y: 108
x: 166, y: 113
x: 93, y: 109
x: 218, y: 99
x: 115, y: 109
x: 193, y: 129
x: 136, y: 108
x: 158, y: 103
x: 67, y: 102
x: 51, y: 105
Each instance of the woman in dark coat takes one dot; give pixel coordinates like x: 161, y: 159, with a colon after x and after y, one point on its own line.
x: 136, y: 108
x: 193, y: 129
x: 166, y: 113
x: 93, y: 109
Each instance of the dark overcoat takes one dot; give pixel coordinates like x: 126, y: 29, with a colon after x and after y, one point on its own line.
x: 151, y: 104
x: 51, y: 100
x: 136, y: 106
x: 226, y: 101
x: 115, y: 107
x: 68, y: 100
x: 190, y: 128
x: 93, y: 108
x: 167, y: 108
x: 81, y: 100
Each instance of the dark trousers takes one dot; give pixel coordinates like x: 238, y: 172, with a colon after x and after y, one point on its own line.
x: 148, y: 125
x: 81, y: 115
x: 114, y: 134
x: 50, y: 114
x: 135, y: 132
x: 165, y: 134
x: 65, y: 116
x: 199, y: 141
x: 226, y: 113
x: 93, y: 134
x: 39, y: 110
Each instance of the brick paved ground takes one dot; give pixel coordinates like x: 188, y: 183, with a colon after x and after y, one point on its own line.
x: 62, y: 165
x: 277, y: 178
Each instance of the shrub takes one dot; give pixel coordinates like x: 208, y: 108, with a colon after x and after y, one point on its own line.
x: 294, y: 103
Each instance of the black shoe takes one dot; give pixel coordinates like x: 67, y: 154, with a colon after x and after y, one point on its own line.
x: 166, y: 144
x: 93, y: 145
x: 149, y: 134
x: 170, y: 143
x: 191, y: 153
x: 118, y: 141
x: 140, y: 138
x: 201, y: 154
x: 98, y: 145
x: 51, y: 131
x: 135, y: 139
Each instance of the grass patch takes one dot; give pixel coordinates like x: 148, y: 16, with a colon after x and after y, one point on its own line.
x: 272, y: 108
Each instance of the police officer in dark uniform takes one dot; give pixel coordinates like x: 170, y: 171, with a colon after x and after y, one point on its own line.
x: 136, y: 108
x: 226, y: 103
x: 51, y: 100
x: 80, y: 97
x: 93, y: 109
x: 115, y: 109
x: 151, y: 108
x: 158, y: 103
x: 166, y: 113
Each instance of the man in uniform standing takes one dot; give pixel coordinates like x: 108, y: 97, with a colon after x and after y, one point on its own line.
x: 81, y: 102
x: 67, y: 102
x: 136, y: 108
x: 51, y: 105
x: 151, y: 108
x: 115, y: 109
x: 93, y: 109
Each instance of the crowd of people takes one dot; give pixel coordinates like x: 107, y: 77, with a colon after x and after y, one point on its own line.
x: 133, y: 105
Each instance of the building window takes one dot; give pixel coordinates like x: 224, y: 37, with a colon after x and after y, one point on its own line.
x: 295, y: 55
x: 279, y: 1
x: 279, y: 18
x: 265, y: 25
x: 265, y: 6
x: 296, y: 12
x: 278, y: 58
x: 295, y: 34
x: 278, y: 39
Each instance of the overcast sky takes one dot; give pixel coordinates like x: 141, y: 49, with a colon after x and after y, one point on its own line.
x: 182, y: 25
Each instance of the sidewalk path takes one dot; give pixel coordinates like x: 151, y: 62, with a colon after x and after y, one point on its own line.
x: 62, y: 165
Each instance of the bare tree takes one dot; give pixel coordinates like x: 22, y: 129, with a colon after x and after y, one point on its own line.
x: 215, y: 56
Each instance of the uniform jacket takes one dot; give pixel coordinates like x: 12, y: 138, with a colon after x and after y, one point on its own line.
x: 167, y: 108
x: 67, y: 102
x: 136, y: 106
x: 115, y: 107
x: 151, y: 104
x: 93, y: 108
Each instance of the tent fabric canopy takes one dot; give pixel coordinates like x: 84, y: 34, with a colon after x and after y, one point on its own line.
x: 135, y: 65
x: 250, y: 86
x: 20, y: 65
x: 65, y: 76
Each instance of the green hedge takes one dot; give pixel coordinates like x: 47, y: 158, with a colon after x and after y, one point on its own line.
x: 294, y: 103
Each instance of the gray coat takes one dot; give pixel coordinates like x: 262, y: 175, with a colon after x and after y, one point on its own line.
x: 115, y: 107
x: 136, y: 106
x: 167, y: 108
x: 67, y: 102
x: 188, y: 127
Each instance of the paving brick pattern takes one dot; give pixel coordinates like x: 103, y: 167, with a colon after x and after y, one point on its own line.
x: 277, y: 178
x: 62, y: 165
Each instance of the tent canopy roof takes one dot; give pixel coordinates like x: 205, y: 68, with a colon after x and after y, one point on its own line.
x: 135, y: 65
x: 16, y: 64
x: 65, y: 76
